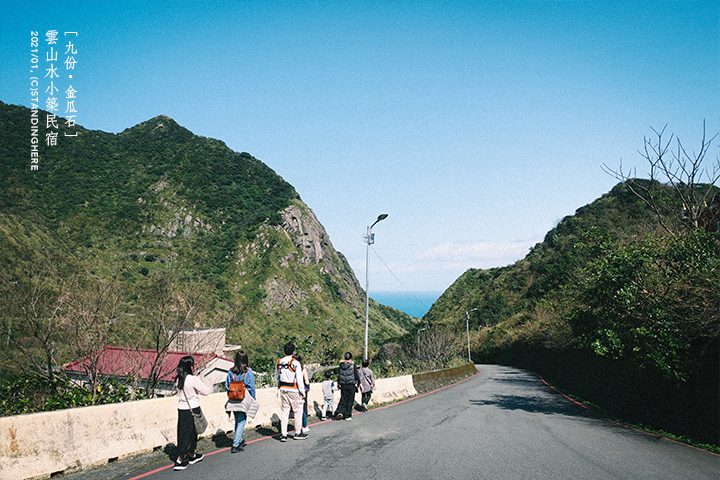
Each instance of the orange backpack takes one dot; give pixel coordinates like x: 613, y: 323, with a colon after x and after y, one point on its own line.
x: 236, y: 390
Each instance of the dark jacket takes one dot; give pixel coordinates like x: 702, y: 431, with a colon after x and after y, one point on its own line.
x: 347, y: 373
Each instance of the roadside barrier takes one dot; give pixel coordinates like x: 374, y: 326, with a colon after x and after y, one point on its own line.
x: 429, y: 381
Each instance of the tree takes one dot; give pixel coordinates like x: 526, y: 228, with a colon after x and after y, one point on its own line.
x: 89, y: 321
x: 169, y: 306
x: 49, y: 318
x: 32, y: 318
x: 437, y: 347
x: 651, y: 300
x: 688, y: 179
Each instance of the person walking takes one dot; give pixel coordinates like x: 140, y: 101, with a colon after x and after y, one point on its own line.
x: 289, y: 378
x: 189, y: 388
x: 349, y: 382
x: 329, y: 388
x: 306, y: 381
x: 240, y: 372
x: 367, y: 383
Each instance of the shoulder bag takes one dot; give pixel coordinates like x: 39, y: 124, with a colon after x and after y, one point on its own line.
x: 199, y: 419
x: 201, y: 422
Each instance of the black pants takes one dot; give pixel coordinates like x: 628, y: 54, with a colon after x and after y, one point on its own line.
x: 186, y: 435
x: 347, y: 399
x: 366, y: 397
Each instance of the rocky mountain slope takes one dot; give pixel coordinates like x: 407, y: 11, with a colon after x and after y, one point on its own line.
x: 157, y: 206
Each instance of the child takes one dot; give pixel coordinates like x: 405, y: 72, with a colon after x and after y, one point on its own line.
x: 328, y: 387
x: 367, y: 383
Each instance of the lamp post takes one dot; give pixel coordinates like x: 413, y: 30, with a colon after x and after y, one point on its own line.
x: 125, y: 315
x: 418, y: 335
x: 370, y: 239
x: 467, y: 326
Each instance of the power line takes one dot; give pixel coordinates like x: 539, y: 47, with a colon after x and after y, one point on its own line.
x: 413, y: 299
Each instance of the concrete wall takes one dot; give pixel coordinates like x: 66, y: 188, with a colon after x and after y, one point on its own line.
x: 40, y: 444
x: 429, y: 381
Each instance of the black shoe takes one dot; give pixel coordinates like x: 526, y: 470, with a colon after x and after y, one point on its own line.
x: 301, y: 436
x: 283, y: 438
x: 196, y: 458
x: 180, y: 465
x: 238, y: 448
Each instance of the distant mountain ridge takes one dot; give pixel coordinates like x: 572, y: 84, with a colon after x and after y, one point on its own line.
x: 502, y: 292
x: 612, y: 308
x: 157, y: 198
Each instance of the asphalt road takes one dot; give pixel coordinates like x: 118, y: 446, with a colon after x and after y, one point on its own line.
x: 503, y: 424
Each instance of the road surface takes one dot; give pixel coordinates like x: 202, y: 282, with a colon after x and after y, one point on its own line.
x: 502, y: 424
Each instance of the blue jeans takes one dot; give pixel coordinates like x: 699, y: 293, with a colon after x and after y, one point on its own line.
x: 240, y: 418
x: 305, y: 407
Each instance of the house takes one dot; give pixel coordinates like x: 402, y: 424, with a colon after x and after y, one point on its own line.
x: 133, y: 366
x: 709, y: 218
x: 203, y: 340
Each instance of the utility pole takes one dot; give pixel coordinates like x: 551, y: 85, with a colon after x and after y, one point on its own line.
x: 467, y: 326
x: 370, y: 239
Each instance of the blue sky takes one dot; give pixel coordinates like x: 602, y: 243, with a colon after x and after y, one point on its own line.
x: 476, y: 126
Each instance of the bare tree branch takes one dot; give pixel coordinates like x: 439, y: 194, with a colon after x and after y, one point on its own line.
x: 683, y: 173
x: 169, y: 307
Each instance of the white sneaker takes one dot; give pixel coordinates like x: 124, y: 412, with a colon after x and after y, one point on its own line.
x: 305, y: 430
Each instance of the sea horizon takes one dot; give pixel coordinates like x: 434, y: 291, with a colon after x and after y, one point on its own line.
x: 415, y: 304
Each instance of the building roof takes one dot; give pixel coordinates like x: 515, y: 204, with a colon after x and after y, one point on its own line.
x: 131, y: 362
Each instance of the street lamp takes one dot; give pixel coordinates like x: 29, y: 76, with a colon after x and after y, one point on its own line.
x: 125, y: 315
x: 467, y: 326
x: 418, y: 334
x: 370, y: 239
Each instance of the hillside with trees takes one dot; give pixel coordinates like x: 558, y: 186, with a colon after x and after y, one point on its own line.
x: 126, y: 239
x: 620, y: 304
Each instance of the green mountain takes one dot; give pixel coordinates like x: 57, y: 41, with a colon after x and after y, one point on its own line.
x: 611, y: 307
x: 504, y: 292
x: 182, y: 231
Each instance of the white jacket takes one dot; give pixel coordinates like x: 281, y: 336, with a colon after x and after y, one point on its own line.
x: 188, y: 397
x: 289, y: 375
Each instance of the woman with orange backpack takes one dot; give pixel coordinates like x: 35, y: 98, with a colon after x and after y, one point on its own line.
x: 239, y: 383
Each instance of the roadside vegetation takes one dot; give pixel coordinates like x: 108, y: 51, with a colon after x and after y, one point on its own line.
x: 620, y: 304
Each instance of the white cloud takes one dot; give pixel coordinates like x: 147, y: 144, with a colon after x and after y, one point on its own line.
x: 475, y: 255
x: 437, y: 267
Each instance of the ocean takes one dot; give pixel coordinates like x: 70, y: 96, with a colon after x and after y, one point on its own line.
x: 415, y: 304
